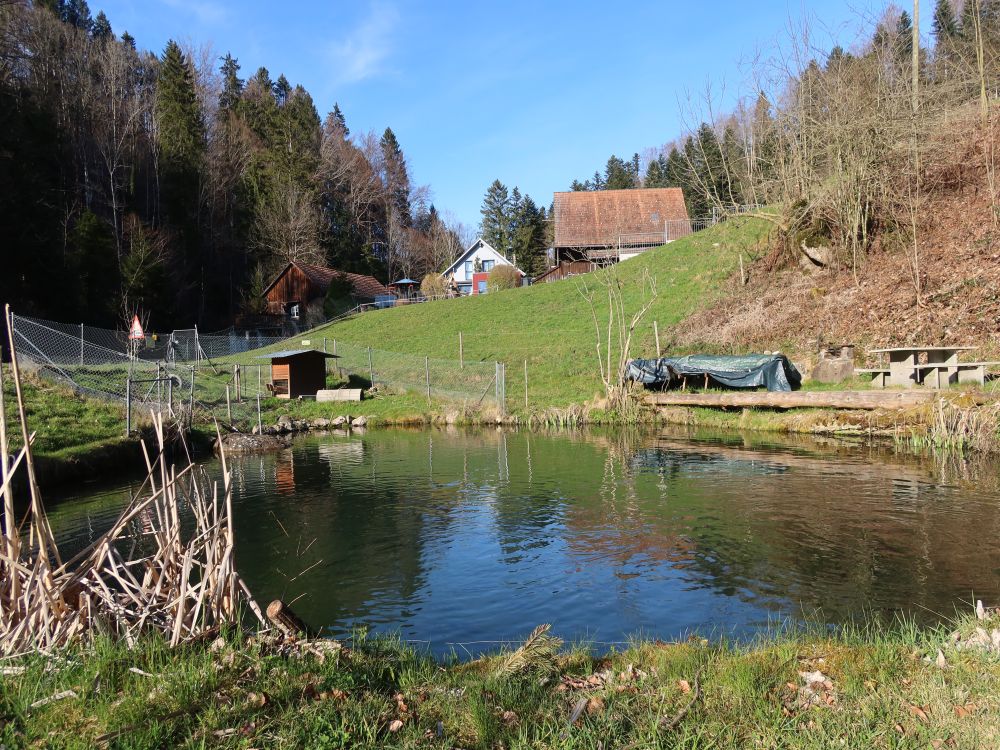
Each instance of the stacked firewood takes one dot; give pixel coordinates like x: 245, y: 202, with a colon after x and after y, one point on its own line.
x: 166, y: 564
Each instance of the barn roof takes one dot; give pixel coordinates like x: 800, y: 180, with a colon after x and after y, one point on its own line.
x: 599, y: 217
x: 321, y: 276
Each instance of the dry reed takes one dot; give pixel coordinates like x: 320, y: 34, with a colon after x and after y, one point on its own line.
x: 166, y: 565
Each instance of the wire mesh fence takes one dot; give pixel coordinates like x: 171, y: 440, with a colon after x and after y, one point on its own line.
x: 226, y: 377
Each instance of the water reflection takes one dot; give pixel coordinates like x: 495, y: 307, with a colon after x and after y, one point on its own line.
x: 456, y: 536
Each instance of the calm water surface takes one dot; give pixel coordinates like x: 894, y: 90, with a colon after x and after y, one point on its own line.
x: 469, y: 536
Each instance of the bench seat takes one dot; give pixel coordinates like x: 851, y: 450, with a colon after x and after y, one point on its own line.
x: 880, y: 375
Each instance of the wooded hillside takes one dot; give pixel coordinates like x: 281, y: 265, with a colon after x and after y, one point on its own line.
x: 170, y: 182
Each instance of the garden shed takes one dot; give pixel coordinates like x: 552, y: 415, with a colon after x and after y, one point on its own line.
x: 297, y: 372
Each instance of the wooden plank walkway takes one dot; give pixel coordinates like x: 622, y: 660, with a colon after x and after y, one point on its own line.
x: 796, y: 399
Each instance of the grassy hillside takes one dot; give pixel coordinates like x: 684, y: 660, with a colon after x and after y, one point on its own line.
x: 550, y: 325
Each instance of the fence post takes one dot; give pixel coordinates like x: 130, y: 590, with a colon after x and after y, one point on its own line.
x: 324, y: 345
x: 197, y: 346
x: 128, y: 406
x: 260, y: 429
x: 229, y: 406
x: 191, y: 415
x: 656, y: 332
x: 371, y: 369
x: 427, y: 374
x: 461, y: 352
x: 170, y: 395
x: 525, y: 384
x: 81, y: 343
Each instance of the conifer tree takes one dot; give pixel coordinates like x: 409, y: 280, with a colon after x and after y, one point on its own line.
x: 656, y: 176
x: 904, y: 37
x: 494, y: 227
x: 945, y: 24
x: 77, y: 13
x: 101, y: 29
x: 397, y: 178
x: 617, y: 175
x: 181, y: 142
x: 338, y: 118
x: 128, y: 40
x: 232, y: 84
x: 282, y: 89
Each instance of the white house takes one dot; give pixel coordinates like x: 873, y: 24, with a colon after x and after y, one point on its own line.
x: 470, y: 270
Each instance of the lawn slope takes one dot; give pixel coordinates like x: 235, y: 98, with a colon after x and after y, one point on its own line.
x: 550, y: 325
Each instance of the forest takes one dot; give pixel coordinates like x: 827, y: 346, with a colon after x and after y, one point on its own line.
x: 851, y: 151
x: 172, y: 184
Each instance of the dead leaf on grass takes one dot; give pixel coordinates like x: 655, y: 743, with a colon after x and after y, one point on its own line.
x: 395, y: 725
x: 685, y: 686
x: 595, y: 705
x: 919, y: 711
x: 967, y: 710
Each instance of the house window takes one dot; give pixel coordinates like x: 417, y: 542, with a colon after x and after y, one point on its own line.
x: 481, y: 286
x: 468, y: 268
x: 488, y: 265
x: 294, y: 310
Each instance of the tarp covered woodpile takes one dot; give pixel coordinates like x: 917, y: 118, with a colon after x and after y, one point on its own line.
x: 772, y: 371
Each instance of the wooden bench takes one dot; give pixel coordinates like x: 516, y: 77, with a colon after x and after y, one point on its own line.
x: 962, y: 372
x: 880, y: 376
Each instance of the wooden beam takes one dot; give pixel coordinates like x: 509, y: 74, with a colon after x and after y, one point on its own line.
x: 795, y: 399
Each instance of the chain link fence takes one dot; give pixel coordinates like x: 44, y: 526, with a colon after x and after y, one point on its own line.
x: 195, y: 376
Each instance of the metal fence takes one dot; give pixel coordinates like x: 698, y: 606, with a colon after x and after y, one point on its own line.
x: 226, y: 376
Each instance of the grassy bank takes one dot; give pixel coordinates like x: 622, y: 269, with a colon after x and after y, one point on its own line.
x: 550, y: 325
x: 65, y: 423
x: 864, y: 687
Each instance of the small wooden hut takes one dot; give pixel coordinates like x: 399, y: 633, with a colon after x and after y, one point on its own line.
x: 297, y: 372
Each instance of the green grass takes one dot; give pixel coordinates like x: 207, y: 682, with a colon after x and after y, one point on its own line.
x: 550, y: 325
x: 65, y: 423
x: 885, y: 691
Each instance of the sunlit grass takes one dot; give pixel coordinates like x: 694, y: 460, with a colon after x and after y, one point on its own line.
x: 885, y: 689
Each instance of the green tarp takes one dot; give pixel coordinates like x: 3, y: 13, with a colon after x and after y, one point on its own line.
x: 772, y: 371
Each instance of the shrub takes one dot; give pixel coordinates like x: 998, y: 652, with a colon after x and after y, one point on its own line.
x: 503, y: 277
x: 434, y: 285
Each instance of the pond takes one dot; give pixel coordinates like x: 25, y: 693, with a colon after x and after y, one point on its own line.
x: 462, y: 538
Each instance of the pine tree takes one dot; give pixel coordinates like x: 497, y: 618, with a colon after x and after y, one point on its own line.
x: 77, y: 13
x: 904, y: 36
x: 341, y: 122
x: 656, y: 175
x: 282, y: 89
x: 397, y: 177
x: 617, y: 175
x: 181, y: 141
x: 578, y: 187
x: 128, y: 40
x: 495, y: 224
x: 101, y: 30
x: 232, y: 84
x: 968, y: 26
x: 945, y: 24
x: 528, y: 238
x: 597, y: 182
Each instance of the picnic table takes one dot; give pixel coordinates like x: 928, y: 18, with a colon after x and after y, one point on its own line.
x: 929, y: 366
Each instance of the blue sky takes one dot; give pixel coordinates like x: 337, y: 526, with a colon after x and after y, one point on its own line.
x: 533, y: 93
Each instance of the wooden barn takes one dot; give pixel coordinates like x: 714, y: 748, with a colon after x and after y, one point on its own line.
x: 606, y: 226
x: 297, y: 372
x: 300, y: 284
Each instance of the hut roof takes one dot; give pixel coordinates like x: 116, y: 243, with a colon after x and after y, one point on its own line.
x: 598, y: 217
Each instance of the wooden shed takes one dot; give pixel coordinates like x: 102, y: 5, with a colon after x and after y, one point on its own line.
x: 297, y: 372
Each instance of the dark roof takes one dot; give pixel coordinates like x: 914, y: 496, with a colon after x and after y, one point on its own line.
x: 294, y: 353
x: 598, y: 217
x: 321, y: 276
